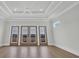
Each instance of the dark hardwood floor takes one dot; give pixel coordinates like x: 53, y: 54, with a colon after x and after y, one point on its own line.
x: 34, y: 52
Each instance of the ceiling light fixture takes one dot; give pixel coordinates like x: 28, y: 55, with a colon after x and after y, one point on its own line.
x: 15, y: 9
x: 41, y: 9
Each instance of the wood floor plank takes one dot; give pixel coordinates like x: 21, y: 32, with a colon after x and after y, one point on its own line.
x: 34, y: 52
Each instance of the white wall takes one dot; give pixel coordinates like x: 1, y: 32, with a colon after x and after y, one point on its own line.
x: 51, y: 34
x: 2, y: 22
x: 8, y: 25
x: 66, y: 35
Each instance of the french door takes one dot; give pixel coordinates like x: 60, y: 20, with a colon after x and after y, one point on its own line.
x: 33, y: 35
x: 14, y: 35
x: 28, y: 35
x: 42, y: 35
x: 24, y: 37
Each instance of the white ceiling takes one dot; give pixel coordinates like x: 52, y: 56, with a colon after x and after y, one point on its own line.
x: 34, y: 9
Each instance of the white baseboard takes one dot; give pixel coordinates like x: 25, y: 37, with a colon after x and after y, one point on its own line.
x: 50, y: 43
x: 1, y: 45
x: 68, y: 49
x: 6, y: 44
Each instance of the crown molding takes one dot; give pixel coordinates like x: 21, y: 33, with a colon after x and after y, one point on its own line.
x: 49, y: 7
x: 26, y: 19
x: 65, y: 10
x: 55, y: 8
x: 4, y: 11
x: 4, y: 3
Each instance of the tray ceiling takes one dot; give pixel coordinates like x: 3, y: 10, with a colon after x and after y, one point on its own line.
x: 34, y: 9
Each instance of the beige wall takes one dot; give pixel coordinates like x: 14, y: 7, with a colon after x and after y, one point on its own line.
x: 2, y: 29
x: 66, y: 35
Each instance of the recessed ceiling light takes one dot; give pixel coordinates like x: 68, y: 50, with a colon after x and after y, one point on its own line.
x: 15, y: 9
x: 41, y: 9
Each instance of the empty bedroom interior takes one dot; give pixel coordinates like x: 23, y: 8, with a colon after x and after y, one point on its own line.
x: 39, y: 29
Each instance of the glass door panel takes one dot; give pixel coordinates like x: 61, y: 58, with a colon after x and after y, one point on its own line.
x: 33, y: 35
x: 14, y: 35
x: 24, y: 38
x: 42, y: 35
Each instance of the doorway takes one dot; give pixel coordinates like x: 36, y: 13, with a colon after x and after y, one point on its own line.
x: 33, y: 35
x: 24, y: 37
x: 42, y: 35
x: 14, y: 35
x: 28, y: 35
